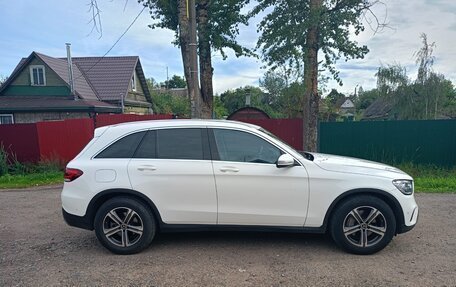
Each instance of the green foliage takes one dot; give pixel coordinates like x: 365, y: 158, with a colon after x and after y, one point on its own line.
x: 334, y: 96
x: 430, y: 178
x: 427, y: 99
x: 14, y: 174
x: 365, y: 99
x: 175, y: 82
x: 167, y: 103
x: 219, y: 109
x: 274, y: 84
x: 225, y: 16
x: 30, y: 180
x: 284, y: 31
x: 3, y: 160
x: 292, y: 101
x: 235, y: 99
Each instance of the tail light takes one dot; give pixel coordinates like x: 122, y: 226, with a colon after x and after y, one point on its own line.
x: 71, y: 174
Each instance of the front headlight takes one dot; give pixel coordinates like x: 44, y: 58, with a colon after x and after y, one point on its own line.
x: 404, y: 185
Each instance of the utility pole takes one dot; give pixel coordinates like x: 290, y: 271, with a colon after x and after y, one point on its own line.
x: 70, y: 71
x: 196, y: 99
x: 167, y: 78
x: 122, y: 103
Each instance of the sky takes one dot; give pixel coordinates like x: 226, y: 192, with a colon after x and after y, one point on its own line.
x: 45, y: 27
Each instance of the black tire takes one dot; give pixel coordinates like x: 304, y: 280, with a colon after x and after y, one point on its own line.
x: 122, y: 235
x: 375, y: 219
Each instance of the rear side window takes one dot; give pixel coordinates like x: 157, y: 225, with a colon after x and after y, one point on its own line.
x: 123, y: 148
x: 147, y: 148
x: 180, y: 144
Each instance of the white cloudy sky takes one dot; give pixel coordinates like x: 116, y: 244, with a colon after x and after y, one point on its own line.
x: 45, y: 26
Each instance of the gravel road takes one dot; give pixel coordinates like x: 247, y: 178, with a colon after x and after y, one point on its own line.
x: 37, y: 248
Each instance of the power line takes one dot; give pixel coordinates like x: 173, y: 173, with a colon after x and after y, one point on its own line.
x: 115, y: 43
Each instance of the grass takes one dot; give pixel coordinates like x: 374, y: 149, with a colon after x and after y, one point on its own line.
x: 30, y: 180
x: 431, y: 178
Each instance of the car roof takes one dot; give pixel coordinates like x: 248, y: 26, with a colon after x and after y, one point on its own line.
x: 181, y: 123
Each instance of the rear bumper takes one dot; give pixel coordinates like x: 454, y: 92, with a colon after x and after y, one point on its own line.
x: 77, y: 221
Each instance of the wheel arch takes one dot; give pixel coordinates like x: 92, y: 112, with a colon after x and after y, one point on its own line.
x: 389, y: 199
x: 105, y: 195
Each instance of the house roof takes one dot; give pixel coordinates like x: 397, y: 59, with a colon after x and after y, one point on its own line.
x: 109, y: 75
x: 82, y: 88
x: 380, y: 108
x: 344, y: 103
x: 95, y: 78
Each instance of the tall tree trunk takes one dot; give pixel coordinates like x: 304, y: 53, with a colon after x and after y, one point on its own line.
x: 184, y: 40
x: 205, y: 60
x: 311, y: 96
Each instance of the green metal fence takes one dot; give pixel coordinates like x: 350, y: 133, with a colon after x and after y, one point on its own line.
x: 419, y: 142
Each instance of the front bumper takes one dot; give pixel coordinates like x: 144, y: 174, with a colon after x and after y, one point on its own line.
x: 413, y: 220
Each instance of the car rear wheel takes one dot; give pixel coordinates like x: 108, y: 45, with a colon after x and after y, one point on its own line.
x: 124, y: 225
x: 363, y: 225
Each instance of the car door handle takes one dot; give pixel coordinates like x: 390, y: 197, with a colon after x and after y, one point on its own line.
x: 229, y: 169
x: 146, y: 168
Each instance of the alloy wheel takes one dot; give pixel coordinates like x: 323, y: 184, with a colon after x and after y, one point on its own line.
x: 123, y: 227
x: 364, y: 226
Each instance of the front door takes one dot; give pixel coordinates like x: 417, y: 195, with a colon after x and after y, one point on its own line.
x: 251, y: 190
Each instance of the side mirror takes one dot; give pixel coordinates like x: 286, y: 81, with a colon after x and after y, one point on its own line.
x: 285, y: 160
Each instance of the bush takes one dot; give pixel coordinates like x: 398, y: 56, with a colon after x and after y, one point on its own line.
x: 3, y: 161
x: 10, y: 165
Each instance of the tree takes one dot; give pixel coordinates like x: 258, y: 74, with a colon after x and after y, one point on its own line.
x: 365, y: 99
x: 425, y: 60
x: 274, y: 84
x: 175, y: 82
x: 217, y: 21
x: 296, y: 30
x: 334, y: 96
x: 166, y: 103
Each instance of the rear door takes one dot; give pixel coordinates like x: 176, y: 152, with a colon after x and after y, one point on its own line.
x: 251, y: 190
x: 172, y: 167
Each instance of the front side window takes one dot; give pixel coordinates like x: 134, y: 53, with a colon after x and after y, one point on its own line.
x: 37, y: 75
x: 244, y: 147
x: 123, y: 148
x: 6, y: 119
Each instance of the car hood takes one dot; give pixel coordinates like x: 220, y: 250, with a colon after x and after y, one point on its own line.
x: 356, y: 165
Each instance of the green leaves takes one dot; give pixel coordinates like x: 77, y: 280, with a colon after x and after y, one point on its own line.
x: 224, y: 18
x: 284, y: 31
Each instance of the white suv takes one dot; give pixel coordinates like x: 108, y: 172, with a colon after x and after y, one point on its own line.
x: 133, y: 180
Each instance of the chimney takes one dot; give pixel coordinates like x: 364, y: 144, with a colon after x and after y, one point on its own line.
x: 247, y: 98
x: 70, y: 71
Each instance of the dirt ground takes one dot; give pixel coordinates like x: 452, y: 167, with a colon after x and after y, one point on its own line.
x: 37, y: 248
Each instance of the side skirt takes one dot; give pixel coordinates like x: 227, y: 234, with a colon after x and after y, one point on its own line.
x: 167, y: 228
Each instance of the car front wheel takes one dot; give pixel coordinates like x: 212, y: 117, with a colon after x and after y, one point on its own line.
x: 363, y: 225
x: 124, y: 225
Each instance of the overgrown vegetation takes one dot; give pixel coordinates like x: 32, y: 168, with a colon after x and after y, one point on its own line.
x: 432, y: 178
x: 14, y: 174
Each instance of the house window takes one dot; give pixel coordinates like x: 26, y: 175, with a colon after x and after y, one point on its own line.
x: 6, y: 119
x: 133, y: 83
x: 37, y: 75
